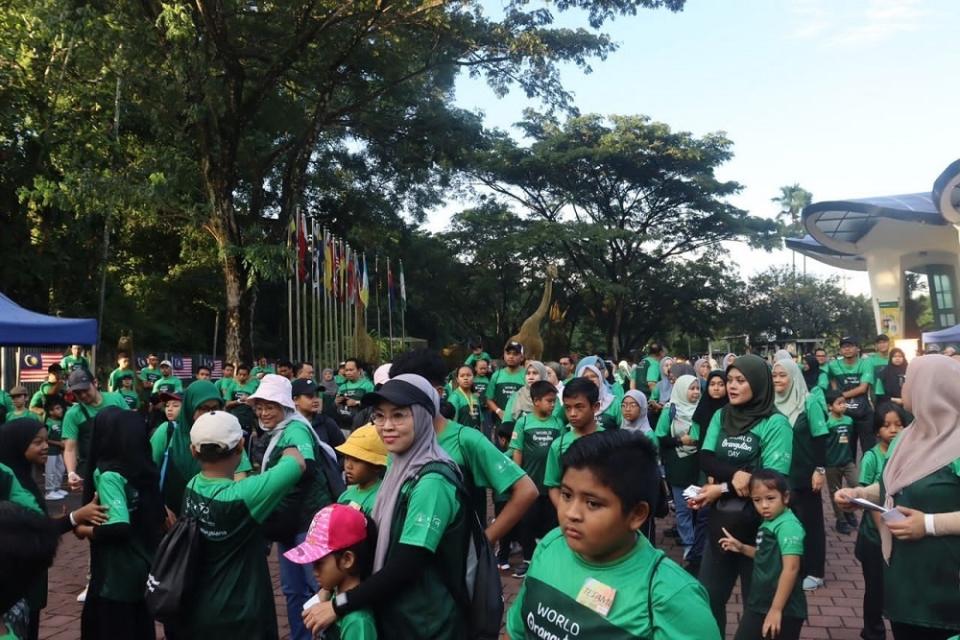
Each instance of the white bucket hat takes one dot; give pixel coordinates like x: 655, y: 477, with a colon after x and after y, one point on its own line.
x: 274, y: 388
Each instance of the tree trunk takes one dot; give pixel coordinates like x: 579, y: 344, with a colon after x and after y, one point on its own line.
x: 614, y: 339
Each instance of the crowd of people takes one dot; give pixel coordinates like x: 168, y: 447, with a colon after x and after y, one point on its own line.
x: 399, y: 498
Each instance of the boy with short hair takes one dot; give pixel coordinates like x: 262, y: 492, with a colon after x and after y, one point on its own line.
x: 530, y: 443
x: 840, y: 465
x: 126, y: 390
x: 595, y: 573
x: 54, y: 469
x: 167, y: 382
x: 364, y: 463
x: 581, y: 401
x: 233, y: 594
x: 339, y: 545
x: 20, y: 410
x: 223, y: 384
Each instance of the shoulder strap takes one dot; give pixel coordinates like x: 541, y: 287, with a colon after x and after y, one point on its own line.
x: 653, y: 574
x: 86, y: 414
x: 166, y: 455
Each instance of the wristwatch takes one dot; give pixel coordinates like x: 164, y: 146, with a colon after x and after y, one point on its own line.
x: 821, y: 470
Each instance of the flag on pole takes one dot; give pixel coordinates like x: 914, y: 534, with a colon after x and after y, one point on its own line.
x: 403, y: 289
x: 336, y: 269
x: 327, y: 261
x: 302, y: 249
x: 351, y: 278
x: 316, y: 255
x: 364, y: 285
x: 33, y: 365
x: 389, y: 286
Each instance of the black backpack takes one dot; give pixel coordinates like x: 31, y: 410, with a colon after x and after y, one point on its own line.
x: 482, y: 599
x: 173, y: 570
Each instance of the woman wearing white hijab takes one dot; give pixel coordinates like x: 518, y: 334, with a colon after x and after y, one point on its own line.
x: 921, y: 480
x: 608, y: 416
x: 807, y: 466
x: 678, y: 450
x: 413, y: 563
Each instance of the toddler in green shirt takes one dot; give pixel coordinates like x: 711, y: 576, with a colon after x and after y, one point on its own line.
x: 339, y: 545
x: 840, y: 466
x: 364, y: 463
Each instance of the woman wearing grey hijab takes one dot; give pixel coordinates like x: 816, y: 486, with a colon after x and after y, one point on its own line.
x: 414, y: 562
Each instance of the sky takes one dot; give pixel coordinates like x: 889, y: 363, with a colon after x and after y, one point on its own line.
x: 850, y: 98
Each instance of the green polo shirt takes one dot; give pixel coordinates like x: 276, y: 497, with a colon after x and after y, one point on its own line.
x: 782, y: 536
x: 766, y: 445
x: 565, y: 596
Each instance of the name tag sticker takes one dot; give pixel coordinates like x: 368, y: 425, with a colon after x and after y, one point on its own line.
x: 597, y: 596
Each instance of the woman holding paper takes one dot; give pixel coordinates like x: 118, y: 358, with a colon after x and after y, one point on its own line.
x: 921, y: 481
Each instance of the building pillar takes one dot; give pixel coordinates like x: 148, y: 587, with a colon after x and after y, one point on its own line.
x: 886, y: 286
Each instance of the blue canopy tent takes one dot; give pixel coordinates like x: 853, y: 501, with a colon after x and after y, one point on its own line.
x: 943, y: 336
x: 20, y: 327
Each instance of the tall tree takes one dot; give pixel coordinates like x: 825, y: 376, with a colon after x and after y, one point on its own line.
x: 792, y: 200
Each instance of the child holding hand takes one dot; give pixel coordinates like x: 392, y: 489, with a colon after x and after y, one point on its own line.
x: 776, y: 606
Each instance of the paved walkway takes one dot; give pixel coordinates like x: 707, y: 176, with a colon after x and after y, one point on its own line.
x: 834, y: 610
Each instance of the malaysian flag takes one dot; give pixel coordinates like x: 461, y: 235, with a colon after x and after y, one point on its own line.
x: 33, y: 366
x: 216, y: 371
x: 182, y: 367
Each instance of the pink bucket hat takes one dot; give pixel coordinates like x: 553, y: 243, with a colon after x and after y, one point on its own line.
x: 334, y: 528
x: 275, y: 389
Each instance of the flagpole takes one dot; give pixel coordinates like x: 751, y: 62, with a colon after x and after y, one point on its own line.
x: 403, y: 309
x: 289, y: 298
x: 390, y: 306
x: 376, y: 279
x: 315, y: 292
x: 325, y: 348
x: 296, y: 282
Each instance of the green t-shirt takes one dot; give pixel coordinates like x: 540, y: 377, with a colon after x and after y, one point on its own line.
x: 647, y: 371
x: 504, y: 384
x: 363, y: 499
x: 878, y: 362
x: 532, y: 437
x: 167, y: 385
x: 233, y: 593
x: 12, y: 490
x: 848, y: 377
x: 871, y: 469
x: 477, y: 456
x: 118, y: 568
x: 481, y: 383
x: 54, y: 432
x: 39, y: 399
x: 113, y: 383
x: 766, y: 445
x: 432, y: 508
x: 23, y: 413
x: 150, y: 375
x: 258, y: 370
x: 681, y: 470
x: 472, y: 358
x: 355, y: 390
x: 553, y: 470
x: 6, y: 400
x: 69, y: 363
x: 782, y: 536
x: 131, y: 397
x: 467, y: 406
x: 223, y: 385
x: 564, y: 596
x: 810, y: 424
x: 838, y: 441
x: 233, y: 391
x: 356, y: 625
x: 77, y: 426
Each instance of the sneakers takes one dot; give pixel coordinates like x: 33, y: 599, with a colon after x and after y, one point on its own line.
x: 82, y: 597
x: 843, y: 527
x: 53, y: 495
x: 812, y: 583
x: 521, y: 569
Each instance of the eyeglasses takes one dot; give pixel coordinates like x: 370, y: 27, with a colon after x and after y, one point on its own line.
x: 396, y: 416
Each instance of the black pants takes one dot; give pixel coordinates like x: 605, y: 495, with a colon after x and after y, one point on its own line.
x: 503, y: 550
x: 862, y: 431
x: 540, y: 518
x: 871, y: 563
x: 903, y: 631
x: 719, y: 571
x: 808, y: 507
x: 751, y: 627
x: 110, y: 620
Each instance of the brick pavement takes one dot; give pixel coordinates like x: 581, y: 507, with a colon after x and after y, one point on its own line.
x: 834, y: 610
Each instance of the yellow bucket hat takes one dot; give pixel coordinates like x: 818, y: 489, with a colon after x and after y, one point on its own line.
x: 365, y: 444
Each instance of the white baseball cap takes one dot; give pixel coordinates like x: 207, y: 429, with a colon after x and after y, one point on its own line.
x: 216, y: 427
x: 275, y: 389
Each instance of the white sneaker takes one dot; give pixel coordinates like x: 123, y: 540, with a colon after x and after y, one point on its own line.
x: 82, y: 597
x: 811, y: 583
x: 53, y: 495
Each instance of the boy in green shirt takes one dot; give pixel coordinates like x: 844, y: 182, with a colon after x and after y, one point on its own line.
x: 20, y: 410
x: 364, y: 463
x: 123, y: 368
x: 581, y: 400
x: 339, y: 545
x: 233, y: 595
x: 532, y: 436
x: 49, y: 389
x: 150, y: 373
x: 236, y: 393
x: 54, y: 470
x: 476, y: 353
x: 890, y: 421
x: 595, y: 576
x: 840, y: 465
x: 167, y: 382
x: 126, y: 390
x: 75, y: 360
x: 223, y: 384
x: 507, y: 381
x: 853, y: 377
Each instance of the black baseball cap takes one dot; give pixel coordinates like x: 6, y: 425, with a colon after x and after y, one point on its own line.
x: 165, y: 396
x: 79, y: 380
x: 405, y: 390
x: 849, y: 340
x: 303, y: 387
x: 515, y: 346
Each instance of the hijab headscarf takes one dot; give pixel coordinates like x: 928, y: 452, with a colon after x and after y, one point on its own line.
x: 782, y: 354
x: 330, y: 386
x: 793, y: 402
x: 738, y: 419
x: 708, y: 405
x: 524, y: 402
x: 665, y: 385
x: 600, y: 368
x: 933, y: 439
x: 696, y: 368
x: 120, y: 444
x: 728, y: 360
x: 405, y: 466
x: 642, y: 423
x: 682, y: 411
x: 893, y: 375
x: 15, y: 437
x: 812, y: 375
x: 606, y: 395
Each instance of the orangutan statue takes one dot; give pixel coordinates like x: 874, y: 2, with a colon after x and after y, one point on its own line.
x: 529, y: 334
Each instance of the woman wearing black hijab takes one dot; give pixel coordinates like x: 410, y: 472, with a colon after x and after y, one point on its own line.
x: 893, y: 376
x: 23, y: 446
x: 121, y: 549
x: 747, y: 434
x: 812, y: 375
